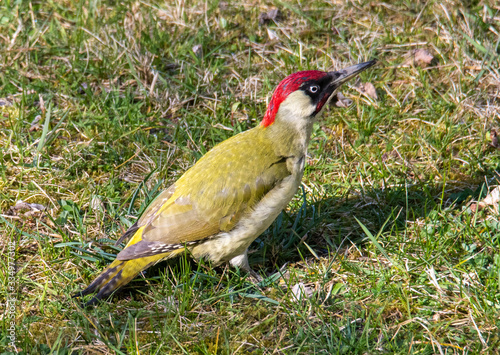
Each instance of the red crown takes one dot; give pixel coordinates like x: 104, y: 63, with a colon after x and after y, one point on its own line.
x: 288, y: 85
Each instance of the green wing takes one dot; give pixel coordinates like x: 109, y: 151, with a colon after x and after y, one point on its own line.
x: 211, y: 197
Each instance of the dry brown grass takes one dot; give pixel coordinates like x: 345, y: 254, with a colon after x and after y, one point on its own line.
x: 128, y: 95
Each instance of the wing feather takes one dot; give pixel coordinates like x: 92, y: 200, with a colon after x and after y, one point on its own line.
x: 210, y: 197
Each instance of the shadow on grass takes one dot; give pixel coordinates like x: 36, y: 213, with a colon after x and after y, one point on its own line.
x: 323, y: 228
x: 329, y: 226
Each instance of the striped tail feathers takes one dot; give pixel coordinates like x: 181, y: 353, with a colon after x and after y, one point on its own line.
x: 117, y: 274
x: 120, y: 272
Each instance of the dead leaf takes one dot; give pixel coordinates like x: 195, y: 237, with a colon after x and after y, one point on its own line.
x: 494, y: 139
x: 492, y: 199
x: 369, y: 90
x: 274, y: 15
x: 96, y: 204
x: 421, y: 57
x: 26, y: 209
x: 5, y: 102
x: 198, y: 50
x: 21, y: 205
x: 340, y: 100
x: 301, y: 291
x: 272, y: 35
x: 35, y: 124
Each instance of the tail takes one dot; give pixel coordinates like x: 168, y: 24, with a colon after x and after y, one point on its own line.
x: 121, y: 272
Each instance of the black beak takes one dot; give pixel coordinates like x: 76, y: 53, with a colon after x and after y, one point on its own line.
x: 343, y: 75
x: 336, y: 79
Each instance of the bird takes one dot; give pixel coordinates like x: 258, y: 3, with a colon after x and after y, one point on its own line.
x: 230, y: 196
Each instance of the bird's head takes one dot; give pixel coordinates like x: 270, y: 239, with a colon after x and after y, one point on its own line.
x: 302, y: 95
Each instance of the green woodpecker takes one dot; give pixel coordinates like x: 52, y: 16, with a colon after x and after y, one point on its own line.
x: 235, y: 191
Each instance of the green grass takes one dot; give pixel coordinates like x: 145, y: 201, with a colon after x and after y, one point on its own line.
x: 382, y: 232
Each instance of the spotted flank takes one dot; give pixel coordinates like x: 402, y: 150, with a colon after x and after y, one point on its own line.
x: 166, y: 248
x: 146, y: 248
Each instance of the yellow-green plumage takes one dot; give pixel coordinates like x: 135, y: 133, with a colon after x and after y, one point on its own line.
x: 212, y: 195
x: 234, y: 192
x: 210, y: 198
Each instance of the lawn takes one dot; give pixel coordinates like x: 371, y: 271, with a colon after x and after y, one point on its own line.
x: 391, y: 244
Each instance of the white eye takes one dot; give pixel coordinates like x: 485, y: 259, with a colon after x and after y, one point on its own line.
x: 313, y: 89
